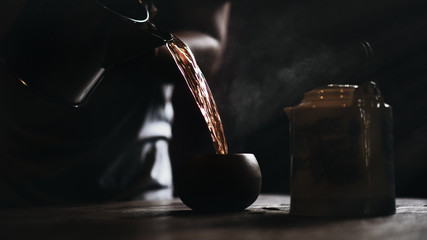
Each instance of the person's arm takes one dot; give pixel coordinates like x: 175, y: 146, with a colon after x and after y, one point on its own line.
x: 202, y: 25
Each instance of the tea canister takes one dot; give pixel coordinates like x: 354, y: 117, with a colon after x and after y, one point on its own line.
x: 342, y: 152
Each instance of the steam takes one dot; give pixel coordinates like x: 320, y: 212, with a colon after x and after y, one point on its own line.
x: 277, y: 64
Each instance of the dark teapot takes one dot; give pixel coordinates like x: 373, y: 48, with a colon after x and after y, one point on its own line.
x: 62, y: 48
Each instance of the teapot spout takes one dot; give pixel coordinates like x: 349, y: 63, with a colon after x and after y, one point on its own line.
x: 128, y: 41
x: 163, y: 36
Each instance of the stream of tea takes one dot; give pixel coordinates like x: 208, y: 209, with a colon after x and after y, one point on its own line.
x: 199, y: 87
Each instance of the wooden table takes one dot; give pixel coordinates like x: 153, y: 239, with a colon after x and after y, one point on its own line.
x: 267, y: 218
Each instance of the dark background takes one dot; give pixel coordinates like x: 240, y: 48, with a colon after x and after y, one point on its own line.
x: 277, y: 50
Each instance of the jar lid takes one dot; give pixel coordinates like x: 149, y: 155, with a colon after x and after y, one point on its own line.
x: 366, y: 95
x: 332, y: 94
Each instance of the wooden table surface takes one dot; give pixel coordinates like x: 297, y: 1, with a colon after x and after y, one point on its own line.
x: 267, y: 218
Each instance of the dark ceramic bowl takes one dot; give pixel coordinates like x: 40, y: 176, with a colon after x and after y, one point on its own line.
x: 218, y: 183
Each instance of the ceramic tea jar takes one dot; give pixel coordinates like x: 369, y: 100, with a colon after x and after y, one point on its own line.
x: 342, y: 153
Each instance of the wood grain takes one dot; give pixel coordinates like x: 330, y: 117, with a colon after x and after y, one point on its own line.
x: 267, y: 218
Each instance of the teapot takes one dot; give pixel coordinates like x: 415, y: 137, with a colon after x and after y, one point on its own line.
x: 61, y: 49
